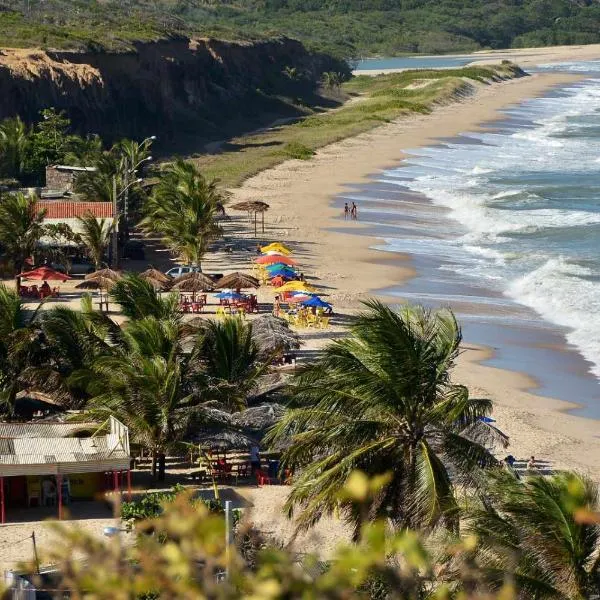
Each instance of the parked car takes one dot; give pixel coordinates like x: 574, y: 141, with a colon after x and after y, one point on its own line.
x: 183, y: 270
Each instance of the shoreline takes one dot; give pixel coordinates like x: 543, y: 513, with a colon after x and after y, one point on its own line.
x: 305, y: 197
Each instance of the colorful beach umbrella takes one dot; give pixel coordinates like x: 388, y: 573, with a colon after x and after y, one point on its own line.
x: 316, y: 302
x: 287, y: 273
x: 229, y: 296
x: 296, y: 286
x: 270, y: 259
x: 299, y: 298
x: 278, y: 265
x: 45, y: 274
x: 276, y: 246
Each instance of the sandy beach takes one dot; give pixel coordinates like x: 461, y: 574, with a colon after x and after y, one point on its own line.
x: 300, y: 195
x: 348, y: 270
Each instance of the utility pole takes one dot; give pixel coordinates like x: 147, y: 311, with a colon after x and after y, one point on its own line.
x: 115, y: 233
x: 228, y: 536
x: 35, y: 553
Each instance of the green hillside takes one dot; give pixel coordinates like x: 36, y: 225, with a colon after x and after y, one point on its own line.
x: 348, y: 28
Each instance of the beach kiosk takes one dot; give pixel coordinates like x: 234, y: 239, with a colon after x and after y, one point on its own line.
x: 48, y: 463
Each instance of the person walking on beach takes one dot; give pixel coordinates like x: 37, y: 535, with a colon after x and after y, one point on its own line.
x: 531, y: 466
x: 354, y: 212
x: 346, y: 211
x: 276, y: 306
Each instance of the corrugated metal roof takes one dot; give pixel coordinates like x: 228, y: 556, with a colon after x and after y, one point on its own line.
x: 39, y: 451
x: 58, y: 209
x: 43, y: 430
x: 75, y: 169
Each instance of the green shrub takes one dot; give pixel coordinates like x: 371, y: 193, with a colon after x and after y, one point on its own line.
x: 298, y: 150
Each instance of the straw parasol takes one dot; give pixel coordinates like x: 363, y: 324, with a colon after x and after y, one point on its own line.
x: 157, y: 275
x: 104, y: 273
x: 237, y: 281
x: 98, y: 283
x: 273, y: 334
x: 193, y: 282
x: 253, y: 206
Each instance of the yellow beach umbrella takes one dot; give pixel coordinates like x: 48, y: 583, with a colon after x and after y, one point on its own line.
x: 295, y: 286
x: 276, y: 247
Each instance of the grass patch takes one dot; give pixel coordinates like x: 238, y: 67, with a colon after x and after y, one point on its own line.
x: 298, y: 150
x: 372, y: 101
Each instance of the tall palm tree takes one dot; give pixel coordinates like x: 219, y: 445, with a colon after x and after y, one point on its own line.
x: 527, y: 530
x: 97, y: 185
x: 20, y: 345
x: 95, y: 234
x: 183, y: 210
x: 13, y: 143
x: 20, y: 228
x: 138, y: 299
x: 382, y: 401
x: 229, y: 362
x: 144, y: 382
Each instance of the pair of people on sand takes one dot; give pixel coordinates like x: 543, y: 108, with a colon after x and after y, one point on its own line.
x: 350, y: 211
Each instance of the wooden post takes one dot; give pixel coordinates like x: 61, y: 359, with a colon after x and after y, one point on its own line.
x: 59, y: 494
x: 263, y: 221
x: 255, y: 230
x: 128, y: 485
x: 115, y: 481
x: 2, y: 510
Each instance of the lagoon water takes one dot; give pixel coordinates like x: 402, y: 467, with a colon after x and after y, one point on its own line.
x: 504, y: 226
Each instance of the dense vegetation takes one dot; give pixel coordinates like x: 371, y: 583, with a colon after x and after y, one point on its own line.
x: 345, y: 27
x: 374, y: 101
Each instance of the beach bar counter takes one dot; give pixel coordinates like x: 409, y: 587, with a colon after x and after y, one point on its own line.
x: 48, y: 464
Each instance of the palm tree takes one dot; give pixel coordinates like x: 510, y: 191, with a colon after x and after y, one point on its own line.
x: 13, y: 142
x: 183, y: 210
x: 144, y: 382
x: 382, y: 401
x: 230, y: 362
x: 95, y: 235
x: 138, y: 299
x: 20, y: 228
x: 20, y: 345
x: 528, y: 530
x: 97, y: 185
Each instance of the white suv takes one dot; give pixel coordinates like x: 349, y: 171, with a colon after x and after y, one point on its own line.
x: 177, y: 271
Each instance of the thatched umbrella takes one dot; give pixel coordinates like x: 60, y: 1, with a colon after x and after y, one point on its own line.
x: 98, y: 283
x: 156, y: 275
x: 104, y: 273
x: 257, y: 419
x: 193, y: 282
x: 159, y: 286
x: 237, y: 281
x: 253, y: 206
x: 274, y: 334
x: 197, y: 276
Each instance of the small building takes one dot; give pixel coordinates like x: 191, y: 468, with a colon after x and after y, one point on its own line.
x: 67, y: 211
x: 61, y: 178
x: 50, y: 463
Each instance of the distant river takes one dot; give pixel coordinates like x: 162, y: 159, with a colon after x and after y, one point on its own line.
x: 503, y: 225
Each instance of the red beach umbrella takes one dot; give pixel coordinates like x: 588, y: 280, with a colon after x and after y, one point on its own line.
x: 45, y: 274
x: 271, y: 259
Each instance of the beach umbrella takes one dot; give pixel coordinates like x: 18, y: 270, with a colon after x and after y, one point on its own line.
x: 276, y: 247
x: 107, y: 273
x: 269, y: 259
x: 275, y: 266
x: 159, y: 286
x: 45, y: 274
x: 237, y: 281
x: 287, y: 273
x: 229, y: 296
x: 276, y: 252
x: 316, y: 302
x: 98, y: 283
x: 298, y: 298
x: 253, y: 207
x: 193, y: 282
x: 487, y: 419
x: 296, y: 286
x: 156, y: 275
x: 272, y: 333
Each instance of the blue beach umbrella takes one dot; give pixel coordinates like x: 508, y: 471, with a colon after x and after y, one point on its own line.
x: 287, y: 273
x: 229, y: 296
x: 276, y: 266
x: 315, y: 301
x: 487, y: 419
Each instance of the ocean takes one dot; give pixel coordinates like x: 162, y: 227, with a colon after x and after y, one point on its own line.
x: 503, y: 225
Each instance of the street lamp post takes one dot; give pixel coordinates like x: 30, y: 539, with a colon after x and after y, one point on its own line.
x: 117, y: 217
